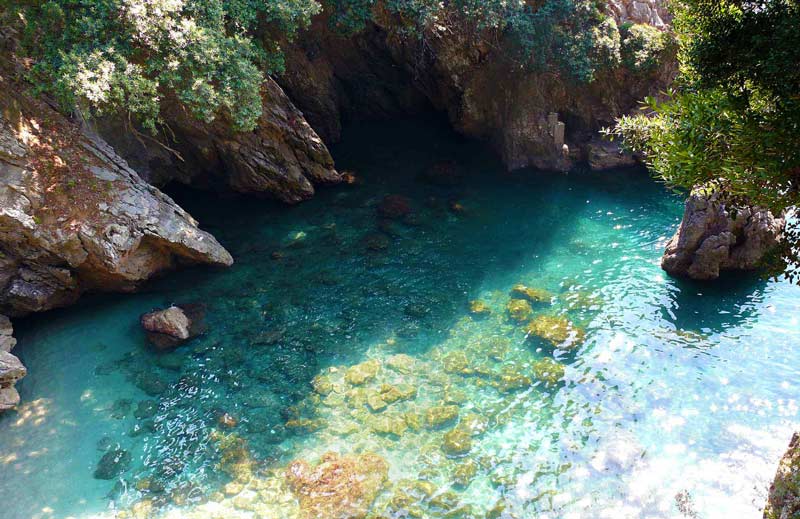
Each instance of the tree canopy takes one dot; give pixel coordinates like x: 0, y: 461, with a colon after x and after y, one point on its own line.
x: 734, y: 116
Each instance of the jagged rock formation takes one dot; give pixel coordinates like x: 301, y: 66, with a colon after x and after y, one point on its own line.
x: 283, y: 157
x: 651, y: 12
x: 11, y: 369
x: 784, y: 493
x: 74, y: 217
x: 484, y: 91
x: 713, y: 237
x: 170, y: 327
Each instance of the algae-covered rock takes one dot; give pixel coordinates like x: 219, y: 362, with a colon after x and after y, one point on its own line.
x: 112, y: 464
x: 363, y: 372
x: 339, y: 487
x: 402, y: 363
x: 519, y: 310
x: 510, y: 379
x: 440, y: 415
x: 534, y: 295
x: 455, y: 362
x: 322, y: 384
x: 478, y: 307
x: 375, y: 402
x: 549, y: 371
x: 388, y: 424
x: 557, y: 330
x: 306, y: 425
x: 497, y: 348
x: 465, y: 472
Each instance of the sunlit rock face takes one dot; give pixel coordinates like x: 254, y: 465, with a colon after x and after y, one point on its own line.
x: 11, y: 369
x: 651, y: 12
x: 74, y: 217
x: 784, y: 494
x: 714, y: 236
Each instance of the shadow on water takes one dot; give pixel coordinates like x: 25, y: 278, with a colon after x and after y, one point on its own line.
x: 734, y: 300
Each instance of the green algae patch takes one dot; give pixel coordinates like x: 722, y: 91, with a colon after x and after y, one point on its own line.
x: 440, y: 415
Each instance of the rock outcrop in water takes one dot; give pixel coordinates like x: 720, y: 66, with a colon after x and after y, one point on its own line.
x: 11, y: 369
x: 714, y: 237
x: 74, y: 217
x: 784, y: 494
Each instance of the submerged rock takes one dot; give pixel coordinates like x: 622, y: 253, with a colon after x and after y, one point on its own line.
x: 534, y: 295
x: 556, y: 330
x: 440, y: 415
x: 549, y: 371
x: 363, y: 372
x: 714, y: 236
x: 112, y: 464
x: 519, y: 310
x: 394, y: 207
x: 478, y: 307
x: 784, y: 493
x: 340, y: 487
x: 172, y: 326
x: 457, y: 442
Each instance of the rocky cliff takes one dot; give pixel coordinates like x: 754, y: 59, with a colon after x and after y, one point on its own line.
x: 282, y: 158
x: 74, y: 217
x: 11, y: 369
x: 714, y: 236
x: 526, y: 116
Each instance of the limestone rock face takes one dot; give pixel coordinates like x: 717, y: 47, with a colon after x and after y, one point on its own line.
x: 713, y: 237
x: 282, y: 158
x: 340, y: 487
x: 74, y: 217
x: 11, y: 369
x: 650, y: 12
x: 784, y: 493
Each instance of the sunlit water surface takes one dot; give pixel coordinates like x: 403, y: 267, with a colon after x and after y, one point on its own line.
x: 678, y: 403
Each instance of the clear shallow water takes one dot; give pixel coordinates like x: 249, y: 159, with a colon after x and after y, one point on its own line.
x: 678, y: 389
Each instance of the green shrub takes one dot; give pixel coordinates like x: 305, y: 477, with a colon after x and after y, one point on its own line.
x: 643, y: 47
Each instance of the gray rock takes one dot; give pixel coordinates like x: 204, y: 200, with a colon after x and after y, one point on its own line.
x: 11, y: 369
x: 604, y: 154
x: 714, y: 237
x: 74, y: 217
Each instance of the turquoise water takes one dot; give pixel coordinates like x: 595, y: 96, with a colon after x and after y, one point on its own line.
x: 677, y: 401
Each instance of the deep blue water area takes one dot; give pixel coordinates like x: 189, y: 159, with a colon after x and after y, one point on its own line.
x: 668, y: 399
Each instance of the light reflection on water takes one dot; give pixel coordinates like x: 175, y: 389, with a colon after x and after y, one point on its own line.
x: 678, y: 404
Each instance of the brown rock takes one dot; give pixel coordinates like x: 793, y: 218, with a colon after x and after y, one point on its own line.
x: 340, y: 487
x: 394, y: 207
x: 172, y: 326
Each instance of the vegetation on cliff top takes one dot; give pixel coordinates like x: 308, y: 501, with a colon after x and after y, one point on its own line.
x: 211, y: 56
x: 734, y: 118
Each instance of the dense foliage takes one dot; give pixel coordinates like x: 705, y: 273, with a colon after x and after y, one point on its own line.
x: 211, y: 56
x: 127, y: 55
x: 734, y: 118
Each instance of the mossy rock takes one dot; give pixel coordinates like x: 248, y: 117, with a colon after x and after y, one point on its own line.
x: 322, y: 384
x: 456, y: 362
x: 402, y: 363
x: 534, y: 295
x: 511, y: 380
x: 465, y: 472
x: 440, y: 415
x: 388, y: 424
x: 556, y: 330
x: 519, y: 310
x: 549, y: 371
x: 362, y: 373
x: 479, y: 308
x: 457, y: 442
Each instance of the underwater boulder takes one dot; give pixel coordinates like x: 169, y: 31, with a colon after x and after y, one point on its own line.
x: 112, y: 464
x: 519, y: 310
x: 170, y: 327
x: 394, y: 207
x: 363, y: 372
x: 445, y: 173
x: 534, y: 295
x: 339, y: 487
x: 457, y: 442
x: 556, y: 330
x: 478, y: 307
